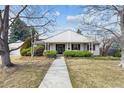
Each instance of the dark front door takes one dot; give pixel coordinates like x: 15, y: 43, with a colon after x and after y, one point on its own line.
x: 60, y: 48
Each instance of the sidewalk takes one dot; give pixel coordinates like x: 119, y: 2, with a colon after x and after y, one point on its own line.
x: 57, y: 75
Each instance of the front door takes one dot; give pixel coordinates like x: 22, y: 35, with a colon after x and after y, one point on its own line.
x: 60, y: 48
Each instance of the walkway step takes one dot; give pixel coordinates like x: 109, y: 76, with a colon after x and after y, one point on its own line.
x: 57, y: 75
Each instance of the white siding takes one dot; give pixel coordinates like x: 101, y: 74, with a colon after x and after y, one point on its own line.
x: 85, y: 46
x: 66, y: 46
x: 52, y: 46
x: 82, y: 46
x: 97, y: 51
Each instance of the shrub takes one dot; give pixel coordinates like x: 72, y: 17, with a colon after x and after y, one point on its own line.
x: 50, y: 53
x: 26, y: 52
x: 26, y: 44
x: 117, y: 53
x: 38, y: 51
x: 77, y: 53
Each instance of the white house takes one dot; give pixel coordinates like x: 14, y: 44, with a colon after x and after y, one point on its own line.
x: 70, y: 40
x: 15, y: 45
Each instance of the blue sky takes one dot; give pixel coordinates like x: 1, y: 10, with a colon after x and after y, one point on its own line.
x: 66, y: 15
x: 64, y: 12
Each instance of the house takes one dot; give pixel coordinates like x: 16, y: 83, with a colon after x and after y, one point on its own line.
x: 15, y: 45
x: 70, y: 40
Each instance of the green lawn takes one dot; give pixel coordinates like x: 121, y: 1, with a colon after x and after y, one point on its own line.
x: 27, y: 74
x: 95, y: 73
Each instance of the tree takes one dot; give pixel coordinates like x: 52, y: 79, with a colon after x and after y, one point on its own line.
x: 106, y: 44
x: 78, y: 31
x: 17, y: 33
x: 109, y: 18
x: 7, y: 21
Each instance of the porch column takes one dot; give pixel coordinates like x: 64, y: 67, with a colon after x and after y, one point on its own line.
x: 45, y: 46
x: 48, y: 47
x: 89, y: 46
x: 70, y: 45
x: 92, y: 47
x: 67, y: 46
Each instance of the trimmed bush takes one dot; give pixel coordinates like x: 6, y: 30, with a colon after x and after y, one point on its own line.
x: 38, y: 51
x: 26, y: 52
x: 50, y: 53
x: 26, y: 44
x: 117, y: 53
x: 77, y: 53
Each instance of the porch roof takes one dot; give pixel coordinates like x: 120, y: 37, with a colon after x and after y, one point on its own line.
x: 67, y: 37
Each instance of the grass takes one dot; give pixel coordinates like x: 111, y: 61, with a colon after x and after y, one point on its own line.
x: 106, y: 58
x: 93, y: 73
x: 27, y: 74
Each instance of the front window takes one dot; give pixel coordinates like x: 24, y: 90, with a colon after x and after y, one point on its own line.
x: 89, y: 47
x: 94, y: 47
x: 75, y: 46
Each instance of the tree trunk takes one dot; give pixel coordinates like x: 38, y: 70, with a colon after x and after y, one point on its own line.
x: 122, y: 51
x: 122, y: 59
x: 5, y: 56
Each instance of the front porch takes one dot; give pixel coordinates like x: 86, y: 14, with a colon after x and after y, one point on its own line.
x: 61, y: 47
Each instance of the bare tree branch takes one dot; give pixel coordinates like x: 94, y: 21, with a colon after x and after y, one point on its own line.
x: 115, y: 8
x: 33, y: 17
x: 18, y: 15
x: 15, y: 48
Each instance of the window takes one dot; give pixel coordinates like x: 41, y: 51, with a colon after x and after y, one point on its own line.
x: 47, y: 46
x: 89, y: 47
x: 75, y: 46
x: 94, y: 47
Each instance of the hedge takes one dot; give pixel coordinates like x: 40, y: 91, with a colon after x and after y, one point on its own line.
x: 117, y: 53
x: 50, y: 53
x: 77, y: 53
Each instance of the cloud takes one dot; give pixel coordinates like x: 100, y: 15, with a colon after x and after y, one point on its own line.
x: 69, y: 28
x: 56, y: 13
x: 75, y: 18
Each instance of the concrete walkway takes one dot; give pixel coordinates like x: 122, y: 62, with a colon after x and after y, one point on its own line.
x: 57, y: 75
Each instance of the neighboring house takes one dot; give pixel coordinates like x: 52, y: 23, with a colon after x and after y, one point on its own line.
x: 70, y: 40
x: 15, y: 45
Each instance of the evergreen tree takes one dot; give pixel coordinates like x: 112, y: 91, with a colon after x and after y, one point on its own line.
x: 19, y: 31
x: 78, y: 31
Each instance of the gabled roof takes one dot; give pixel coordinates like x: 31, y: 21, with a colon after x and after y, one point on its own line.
x: 68, y: 36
